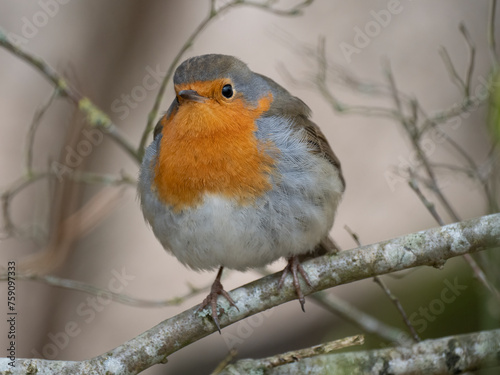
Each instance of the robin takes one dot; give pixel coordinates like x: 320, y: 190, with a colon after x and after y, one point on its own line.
x: 237, y: 175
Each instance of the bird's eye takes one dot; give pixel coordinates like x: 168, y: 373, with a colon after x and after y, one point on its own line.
x: 227, y: 91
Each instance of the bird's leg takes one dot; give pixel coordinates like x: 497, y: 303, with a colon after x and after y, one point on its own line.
x: 216, y: 290
x: 293, y: 266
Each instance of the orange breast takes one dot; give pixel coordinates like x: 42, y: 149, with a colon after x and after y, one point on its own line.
x: 211, y: 147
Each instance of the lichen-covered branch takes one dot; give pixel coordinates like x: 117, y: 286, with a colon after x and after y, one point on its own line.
x: 448, y: 355
x: 300, y: 354
x: 430, y: 247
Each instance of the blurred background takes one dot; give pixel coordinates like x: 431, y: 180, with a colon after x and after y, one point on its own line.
x: 116, y: 53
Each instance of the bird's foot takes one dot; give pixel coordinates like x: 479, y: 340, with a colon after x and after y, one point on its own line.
x: 295, y: 268
x: 216, y: 290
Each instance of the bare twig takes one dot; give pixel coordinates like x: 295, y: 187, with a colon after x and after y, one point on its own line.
x: 32, y: 131
x: 480, y: 275
x: 361, y: 319
x: 475, y: 171
x: 428, y: 204
x: 454, y: 76
x: 95, y: 117
x: 101, y: 178
x: 9, y: 228
x: 462, y: 84
x: 399, y: 306
x: 97, y: 291
x: 225, y: 362
x: 472, y: 59
x: 320, y: 80
x: 389, y: 294
x: 476, y: 269
x: 298, y: 355
x: 491, y: 34
x: 415, y: 140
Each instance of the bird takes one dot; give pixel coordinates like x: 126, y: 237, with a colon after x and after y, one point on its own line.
x: 238, y: 175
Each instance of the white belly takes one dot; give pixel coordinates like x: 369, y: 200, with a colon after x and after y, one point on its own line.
x: 290, y: 219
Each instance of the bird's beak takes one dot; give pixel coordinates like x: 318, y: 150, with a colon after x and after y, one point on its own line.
x: 191, y: 95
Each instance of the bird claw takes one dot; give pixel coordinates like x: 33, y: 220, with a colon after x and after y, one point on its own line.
x: 293, y: 266
x: 216, y: 290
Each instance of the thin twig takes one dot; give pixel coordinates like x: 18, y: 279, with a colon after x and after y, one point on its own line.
x: 431, y: 207
x: 491, y: 34
x: 75, y: 285
x: 101, y: 178
x: 456, y: 168
x: 9, y: 228
x: 476, y: 269
x: 297, y: 355
x: 320, y: 80
x: 454, y: 111
x: 225, y: 362
x: 462, y: 84
x: 30, y: 137
x: 394, y: 91
x: 481, y: 276
x: 388, y: 292
x: 415, y: 140
x: 95, y: 116
x: 366, y: 322
x: 294, y: 11
x: 398, y: 305
x: 475, y: 171
x: 454, y: 76
x: 472, y: 58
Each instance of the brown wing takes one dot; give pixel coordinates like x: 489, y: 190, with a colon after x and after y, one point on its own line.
x: 319, y: 145
x: 298, y: 113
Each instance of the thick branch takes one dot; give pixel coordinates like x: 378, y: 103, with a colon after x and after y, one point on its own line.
x: 448, y: 355
x: 431, y: 247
